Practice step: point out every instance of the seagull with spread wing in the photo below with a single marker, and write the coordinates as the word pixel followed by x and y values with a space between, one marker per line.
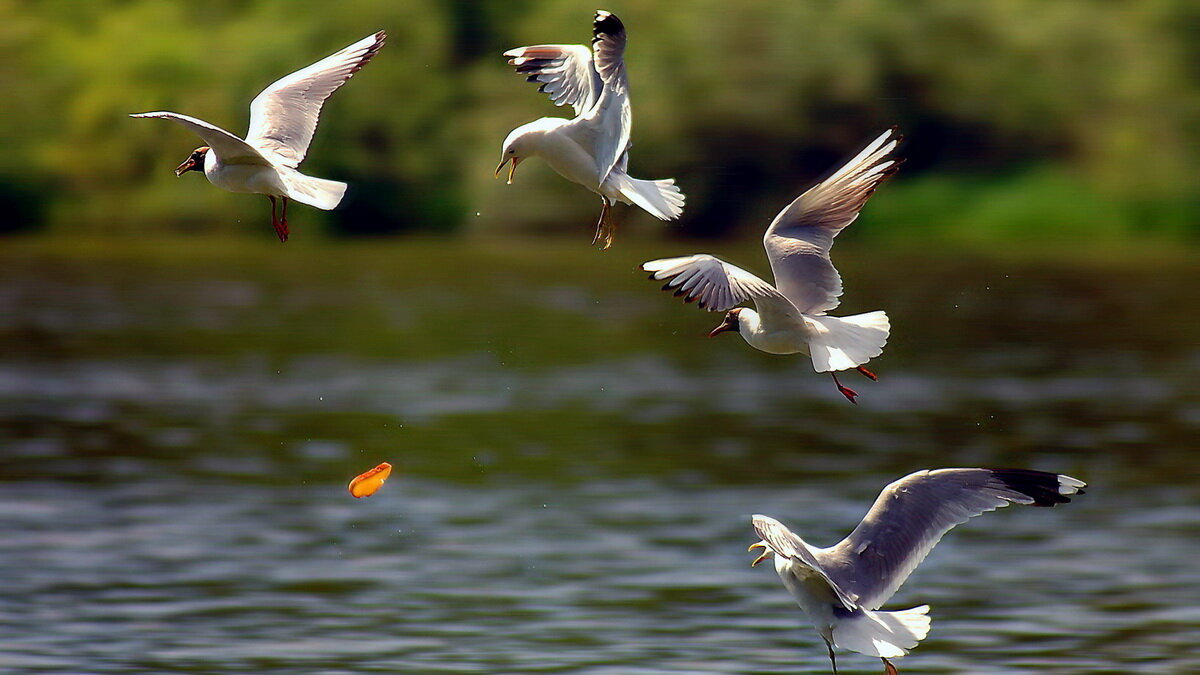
pixel 841 588
pixel 283 119
pixel 790 317
pixel 591 149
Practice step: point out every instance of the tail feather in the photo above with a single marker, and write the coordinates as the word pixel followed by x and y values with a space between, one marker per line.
pixel 883 634
pixel 317 192
pixel 841 343
pixel 660 198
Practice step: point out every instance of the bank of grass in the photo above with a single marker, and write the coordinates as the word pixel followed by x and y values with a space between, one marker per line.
pixel 1032 211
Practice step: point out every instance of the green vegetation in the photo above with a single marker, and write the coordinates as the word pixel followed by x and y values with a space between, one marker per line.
pixel 1026 119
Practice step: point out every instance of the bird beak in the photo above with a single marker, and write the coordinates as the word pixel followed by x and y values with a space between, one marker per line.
pixel 189 164
pixel 729 324
pixel 765 554
pixel 511 170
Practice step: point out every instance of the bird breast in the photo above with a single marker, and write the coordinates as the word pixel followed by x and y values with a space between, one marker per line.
pixel 570 160
pixel 811 592
pixel 778 339
pixel 236 176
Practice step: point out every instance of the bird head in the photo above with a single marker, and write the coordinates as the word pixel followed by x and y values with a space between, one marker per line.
pixel 766 552
pixel 194 162
pixel 732 322
pixel 523 142
pixel 516 148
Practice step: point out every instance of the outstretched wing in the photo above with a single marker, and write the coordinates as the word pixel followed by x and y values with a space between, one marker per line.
pixel 228 147
pixel 717 285
pixel 912 514
pixel 564 72
pixel 783 542
pixel 611 120
pixel 284 116
pixel 608 43
pixel 799 239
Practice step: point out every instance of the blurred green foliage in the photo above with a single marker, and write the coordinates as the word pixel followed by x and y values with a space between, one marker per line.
pixel 1024 117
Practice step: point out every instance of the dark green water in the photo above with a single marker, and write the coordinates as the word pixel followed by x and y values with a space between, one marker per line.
pixel 575 463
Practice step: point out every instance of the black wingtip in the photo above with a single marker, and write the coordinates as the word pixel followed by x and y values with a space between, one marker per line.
pixel 1044 488
pixel 606 23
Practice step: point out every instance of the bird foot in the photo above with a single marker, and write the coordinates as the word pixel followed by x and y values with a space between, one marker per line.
pixel 849 393
pixel 889 669
pixel 605 229
pixel 281 230
pixel 604 236
pixel 871 376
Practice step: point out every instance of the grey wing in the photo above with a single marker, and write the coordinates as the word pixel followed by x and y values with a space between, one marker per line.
pixel 610 123
pixel 283 118
pixel 784 542
pixel 717 285
pixel 912 514
pixel 226 145
pixel 799 239
pixel 608 43
pixel 564 72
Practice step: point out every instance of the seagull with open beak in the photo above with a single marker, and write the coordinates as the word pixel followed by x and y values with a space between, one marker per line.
pixel 591 149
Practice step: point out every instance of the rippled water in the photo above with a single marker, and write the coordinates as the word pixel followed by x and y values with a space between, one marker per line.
pixel 576 466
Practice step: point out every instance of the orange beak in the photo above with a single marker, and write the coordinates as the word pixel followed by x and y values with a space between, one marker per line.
pixel 765 554
pixel 511 170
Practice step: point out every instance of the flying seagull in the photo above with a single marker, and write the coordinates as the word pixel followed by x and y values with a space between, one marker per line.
pixel 283 119
pixel 591 149
pixel 841 588
pixel 790 316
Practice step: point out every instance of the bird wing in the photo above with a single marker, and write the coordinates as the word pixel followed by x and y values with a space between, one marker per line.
pixel 799 239
pixel 284 116
pixel 718 286
pixel 912 514
pixel 228 147
pixel 565 73
pixel 603 131
pixel 784 542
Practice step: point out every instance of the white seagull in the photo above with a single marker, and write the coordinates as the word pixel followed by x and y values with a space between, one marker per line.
pixel 841 588
pixel 593 148
pixel 283 119
pixel 791 317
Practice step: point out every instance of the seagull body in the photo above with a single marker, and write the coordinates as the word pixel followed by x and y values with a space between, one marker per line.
pixel 591 149
pixel 283 119
pixel 790 317
pixel 841 588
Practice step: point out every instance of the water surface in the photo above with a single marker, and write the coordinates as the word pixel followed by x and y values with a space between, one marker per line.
pixel 575 464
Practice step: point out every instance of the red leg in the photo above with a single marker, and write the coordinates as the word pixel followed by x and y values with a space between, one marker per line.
pixel 274 218
pixel 281 228
pixel 849 393
pixel 867 373
pixel 889 669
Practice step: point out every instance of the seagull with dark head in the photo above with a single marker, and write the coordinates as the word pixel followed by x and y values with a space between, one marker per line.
pixel 283 119
pixel 790 317
pixel 841 588
pixel 592 148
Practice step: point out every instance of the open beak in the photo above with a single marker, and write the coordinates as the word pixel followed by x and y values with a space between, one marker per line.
pixel 189 164
pixel 730 323
pixel 765 554
pixel 511 170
